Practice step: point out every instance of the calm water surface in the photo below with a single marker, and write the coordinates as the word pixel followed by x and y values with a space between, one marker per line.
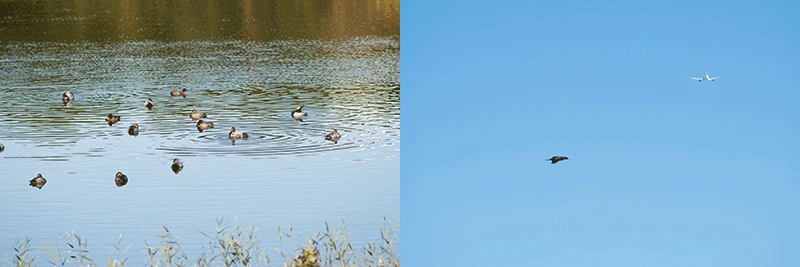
pixel 250 77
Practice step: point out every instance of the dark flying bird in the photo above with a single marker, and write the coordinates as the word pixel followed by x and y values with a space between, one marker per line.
pixel 555 159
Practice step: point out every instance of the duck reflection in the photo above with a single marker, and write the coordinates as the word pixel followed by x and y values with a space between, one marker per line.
pixel 177 165
pixel 121 179
pixel 38 181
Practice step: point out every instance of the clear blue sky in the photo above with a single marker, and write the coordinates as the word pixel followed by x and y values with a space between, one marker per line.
pixel 664 170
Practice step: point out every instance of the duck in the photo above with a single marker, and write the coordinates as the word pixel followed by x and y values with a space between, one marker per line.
pixel 177 165
pixel 111 119
pixel 181 92
pixel 120 179
pixel 38 181
pixel 204 125
pixel 298 113
pixel 196 115
pixel 67 96
pixel 134 129
pixel 236 134
pixel 2 148
pixel 333 136
pixel 555 159
pixel 148 103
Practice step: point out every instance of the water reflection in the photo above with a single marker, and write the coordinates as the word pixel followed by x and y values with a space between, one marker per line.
pixel 120 179
pixel 38 181
pixel 250 20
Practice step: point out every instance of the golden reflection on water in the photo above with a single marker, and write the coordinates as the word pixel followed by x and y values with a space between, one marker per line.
pixel 132 20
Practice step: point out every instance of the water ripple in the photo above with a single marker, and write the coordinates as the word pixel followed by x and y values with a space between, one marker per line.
pixel 351 85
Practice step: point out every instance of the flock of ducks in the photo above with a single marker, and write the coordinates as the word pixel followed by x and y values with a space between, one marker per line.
pixel 121 179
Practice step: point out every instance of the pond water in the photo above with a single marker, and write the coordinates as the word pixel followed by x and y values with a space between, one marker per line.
pixel 247 65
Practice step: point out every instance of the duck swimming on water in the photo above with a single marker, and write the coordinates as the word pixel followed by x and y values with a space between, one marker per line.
pixel 177 165
pixel 298 113
pixel 111 119
pixel 148 103
pixel 204 125
pixel 181 92
pixel 196 115
pixel 134 129
pixel 237 134
pixel 333 136
pixel 38 181
pixel 120 179
pixel 66 98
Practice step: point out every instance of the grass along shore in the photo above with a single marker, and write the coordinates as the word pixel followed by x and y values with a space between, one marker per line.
pixel 229 245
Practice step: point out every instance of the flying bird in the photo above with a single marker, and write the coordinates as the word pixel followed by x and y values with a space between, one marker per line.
pixel 555 159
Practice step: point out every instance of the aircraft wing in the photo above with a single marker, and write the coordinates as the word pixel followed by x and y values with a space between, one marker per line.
pixel 714 78
pixel 696 79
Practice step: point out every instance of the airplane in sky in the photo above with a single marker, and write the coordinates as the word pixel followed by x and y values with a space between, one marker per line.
pixel 706 78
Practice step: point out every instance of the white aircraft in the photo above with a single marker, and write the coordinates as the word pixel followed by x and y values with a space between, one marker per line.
pixel 706 78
